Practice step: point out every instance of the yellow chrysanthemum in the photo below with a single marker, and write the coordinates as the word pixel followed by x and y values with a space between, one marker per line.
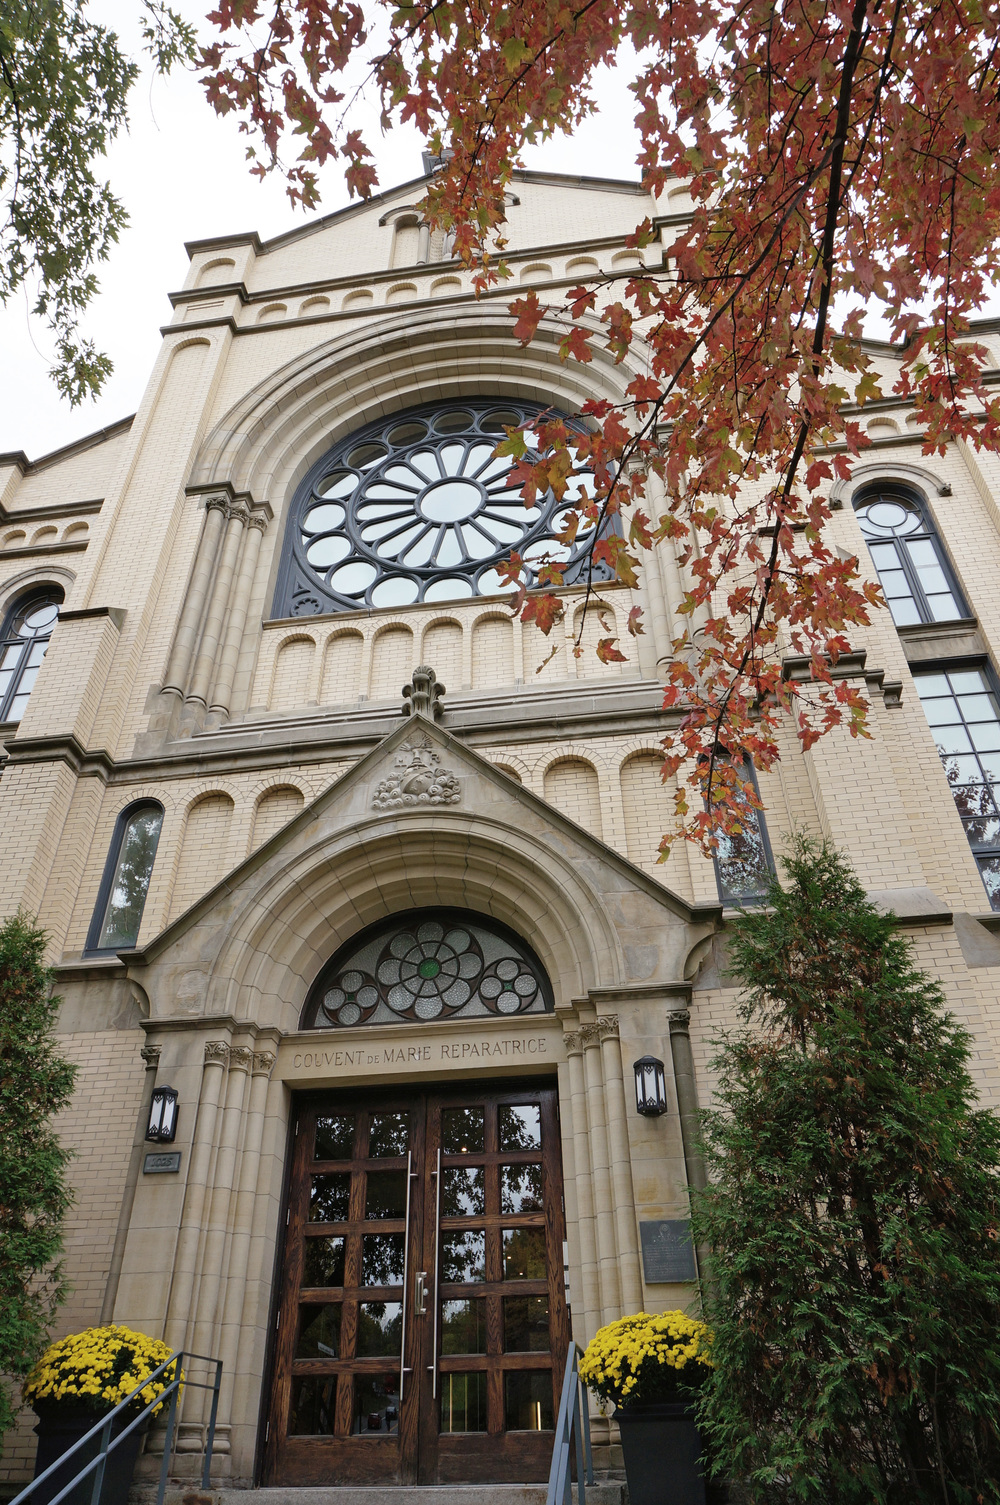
pixel 102 1365
pixel 629 1358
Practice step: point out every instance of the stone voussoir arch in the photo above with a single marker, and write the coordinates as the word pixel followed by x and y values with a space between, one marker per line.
pixel 283 929
pixel 268 440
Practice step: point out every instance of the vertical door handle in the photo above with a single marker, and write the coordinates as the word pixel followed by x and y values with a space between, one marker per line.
pixel 435 1312
pixel 420 1294
pixel 406 1272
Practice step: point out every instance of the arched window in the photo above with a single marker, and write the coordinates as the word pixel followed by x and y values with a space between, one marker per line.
pixel 912 570
pixel 743 862
pixel 416 508
pixel 428 964
pixel 122 895
pixel 27 629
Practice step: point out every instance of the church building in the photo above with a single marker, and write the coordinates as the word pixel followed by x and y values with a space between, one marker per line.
pixel 364 870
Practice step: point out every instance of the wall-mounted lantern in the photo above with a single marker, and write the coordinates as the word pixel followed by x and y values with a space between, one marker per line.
pixel 162 1115
pixel 650 1086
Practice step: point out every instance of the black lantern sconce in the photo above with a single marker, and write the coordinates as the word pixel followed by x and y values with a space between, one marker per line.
pixel 650 1086
pixel 162 1115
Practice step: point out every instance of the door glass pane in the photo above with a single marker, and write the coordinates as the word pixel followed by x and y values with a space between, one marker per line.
pixel 319 1332
pixel 380 1325
pixel 330 1198
pixel 382 1259
pixel 376 1403
pixel 526 1324
pixel 520 1188
pixel 389 1134
pixel 520 1127
pixel 463 1131
pixel 463 1191
pixel 386 1195
pixel 323 1264
pixel 463 1326
pixel 463 1403
pixel 463 1256
pixel 524 1253
pixel 528 1401
pixel 314 1403
pixel 334 1137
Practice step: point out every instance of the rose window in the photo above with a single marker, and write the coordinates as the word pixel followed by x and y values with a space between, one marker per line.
pixel 438 966
pixel 417 508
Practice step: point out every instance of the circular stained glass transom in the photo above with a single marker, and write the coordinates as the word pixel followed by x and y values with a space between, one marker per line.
pixel 418 508
pixel 433 965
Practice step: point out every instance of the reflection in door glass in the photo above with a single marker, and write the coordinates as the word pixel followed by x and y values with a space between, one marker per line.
pixel 463 1326
pixel 386 1195
pixel 389 1134
pixel 520 1127
pixel 528 1401
pixel 334 1137
pixel 463 1131
pixel 526 1324
pixel 330 1198
pixel 380 1325
pixel 323 1262
pixel 376 1403
pixel 463 1403
pixel 524 1254
pixel 382 1259
pixel 463 1191
pixel 463 1256
pixel 314 1400
pixel 319 1332
pixel 520 1188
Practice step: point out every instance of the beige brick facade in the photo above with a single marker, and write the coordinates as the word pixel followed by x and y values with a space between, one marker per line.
pixel 175 676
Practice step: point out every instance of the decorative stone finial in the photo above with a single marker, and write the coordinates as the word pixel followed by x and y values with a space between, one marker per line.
pixel 424 694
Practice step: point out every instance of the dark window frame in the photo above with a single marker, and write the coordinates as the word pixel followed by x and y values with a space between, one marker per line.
pixel 743 901
pixel 963 664
pixel 107 878
pixel 35 594
pixel 909 496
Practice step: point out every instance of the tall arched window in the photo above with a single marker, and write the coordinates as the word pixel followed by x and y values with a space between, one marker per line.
pixel 26 632
pixel 905 549
pixel 122 895
pixel 743 862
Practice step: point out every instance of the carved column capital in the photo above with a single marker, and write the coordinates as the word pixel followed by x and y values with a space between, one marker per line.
pixel 257 520
pixel 237 511
pixel 263 1062
pixel 589 1034
pixel 607 1026
pixel 216 1053
pixel 151 1055
pixel 679 1021
pixel 217 502
pixel 240 1058
pixel 573 1041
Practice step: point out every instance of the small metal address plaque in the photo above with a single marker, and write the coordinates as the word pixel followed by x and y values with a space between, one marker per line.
pixel 667 1251
pixel 162 1164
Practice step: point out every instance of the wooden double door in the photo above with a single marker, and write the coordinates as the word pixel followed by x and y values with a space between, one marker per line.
pixel 422 1325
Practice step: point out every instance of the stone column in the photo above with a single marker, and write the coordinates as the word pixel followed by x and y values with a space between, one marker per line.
pixel 679 1022
pixel 241 1225
pixel 423 244
pixel 589 1296
pixel 604 1221
pixel 222 693
pixel 187 629
pixel 151 1056
pixel 179 1311
pixel 621 1165
pixel 218 603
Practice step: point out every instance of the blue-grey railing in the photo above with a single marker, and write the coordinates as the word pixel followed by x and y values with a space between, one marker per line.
pixel 108 1443
pixel 572 1424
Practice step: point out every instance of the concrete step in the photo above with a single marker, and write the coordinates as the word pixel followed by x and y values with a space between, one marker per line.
pixel 612 1493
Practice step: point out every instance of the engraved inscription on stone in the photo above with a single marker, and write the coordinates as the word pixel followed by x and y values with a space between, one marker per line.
pixel 667 1251
pixel 162 1164
pixel 417 779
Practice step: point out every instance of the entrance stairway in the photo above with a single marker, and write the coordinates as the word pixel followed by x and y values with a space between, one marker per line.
pixel 612 1493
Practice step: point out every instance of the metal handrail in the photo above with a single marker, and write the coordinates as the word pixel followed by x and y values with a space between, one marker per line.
pixel 109 1443
pixel 573 1422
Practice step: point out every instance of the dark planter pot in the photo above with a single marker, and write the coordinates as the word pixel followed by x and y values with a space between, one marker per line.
pixel 59 1426
pixel 662 1452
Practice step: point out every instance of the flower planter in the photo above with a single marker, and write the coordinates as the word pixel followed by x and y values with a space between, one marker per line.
pixel 662 1452
pixel 61 1425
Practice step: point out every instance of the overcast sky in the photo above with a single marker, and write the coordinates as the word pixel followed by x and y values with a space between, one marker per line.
pixel 182 175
